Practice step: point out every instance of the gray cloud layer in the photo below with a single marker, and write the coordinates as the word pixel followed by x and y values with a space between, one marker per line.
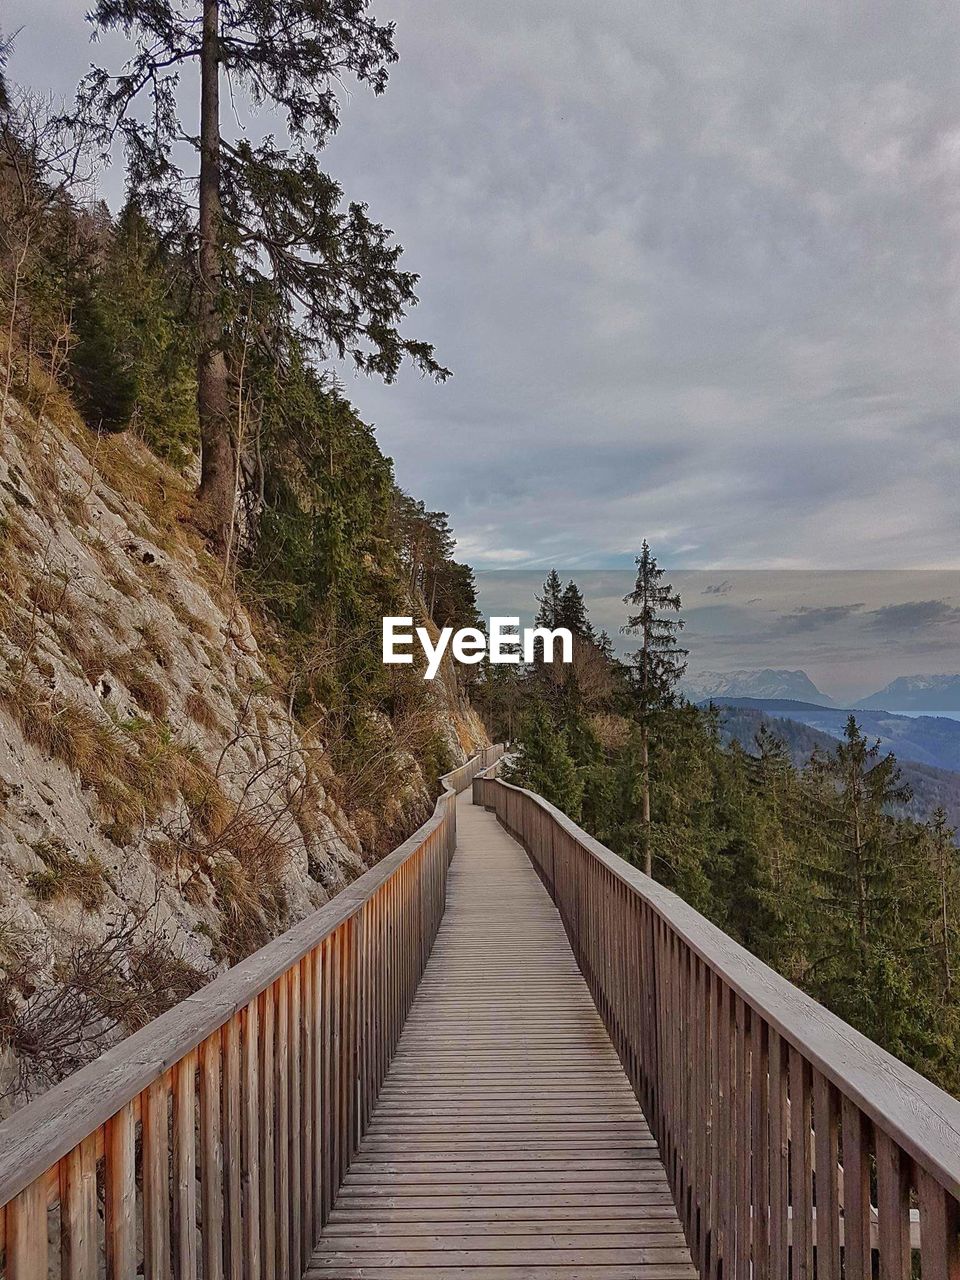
pixel 695 269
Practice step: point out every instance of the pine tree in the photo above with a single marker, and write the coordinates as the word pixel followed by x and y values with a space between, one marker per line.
pixel 572 612
pixel 543 763
pixel 103 382
pixel 132 362
pixel 862 927
pixel 269 233
pixel 946 870
pixel 658 665
pixel 775 780
pixel 550 603
pixel 865 783
pixel 605 645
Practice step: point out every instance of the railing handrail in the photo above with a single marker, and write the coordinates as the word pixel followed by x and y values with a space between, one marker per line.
pixel 37 1136
pixel 921 1117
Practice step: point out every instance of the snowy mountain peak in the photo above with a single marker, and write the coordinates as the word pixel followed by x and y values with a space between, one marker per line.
pixel 768 683
pixel 933 693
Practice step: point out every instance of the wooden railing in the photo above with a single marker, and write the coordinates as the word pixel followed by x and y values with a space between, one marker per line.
pixel 213 1141
pixel 795 1147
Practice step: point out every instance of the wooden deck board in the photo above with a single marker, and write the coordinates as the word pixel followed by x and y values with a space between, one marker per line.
pixel 506 1142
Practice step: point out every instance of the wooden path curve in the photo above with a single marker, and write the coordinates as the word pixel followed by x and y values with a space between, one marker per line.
pixel 506 1142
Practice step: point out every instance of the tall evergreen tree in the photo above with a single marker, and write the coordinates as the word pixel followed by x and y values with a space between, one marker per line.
pixel 132 364
pixel 658 664
pixel 605 645
pixel 572 612
pixel 268 228
pixel 860 786
pixel 543 763
pixel 862 926
pixel 946 869
pixel 550 603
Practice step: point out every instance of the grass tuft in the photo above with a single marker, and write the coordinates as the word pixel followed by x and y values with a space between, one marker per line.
pixel 65 875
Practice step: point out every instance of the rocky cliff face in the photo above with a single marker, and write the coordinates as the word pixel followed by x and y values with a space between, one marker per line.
pixel 162 812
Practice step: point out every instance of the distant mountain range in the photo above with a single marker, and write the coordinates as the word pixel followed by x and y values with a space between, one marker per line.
pixel 767 683
pixel 916 693
pixel 933 695
pixel 932 786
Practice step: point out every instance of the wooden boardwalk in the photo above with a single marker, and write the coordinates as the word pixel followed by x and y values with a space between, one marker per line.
pixel 506 1142
pixel 502 1139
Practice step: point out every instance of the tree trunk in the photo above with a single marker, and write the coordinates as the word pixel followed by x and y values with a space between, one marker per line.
pixel 645 762
pixel 645 758
pixel 217 493
pixel 944 914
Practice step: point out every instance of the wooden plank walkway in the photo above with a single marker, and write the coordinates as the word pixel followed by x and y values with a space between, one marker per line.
pixel 506 1143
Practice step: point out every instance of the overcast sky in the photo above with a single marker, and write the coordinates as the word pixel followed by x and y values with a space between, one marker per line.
pixel 695 269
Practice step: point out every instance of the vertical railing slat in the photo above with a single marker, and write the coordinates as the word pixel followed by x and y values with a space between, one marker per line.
pixel 119 1185
pixel 251 1149
pixel 282 1133
pixel 825 1124
pixel 308 1106
pixel 156 1182
pixel 320 1118
pixel 185 1167
pixel 779 1240
pixel 939 1231
pixel 232 1141
pixel 268 1106
pixel 856 1194
pixel 294 1136
pixel 893 1209
pixel 27 1248
pixel 211 1159
pixel 78 1212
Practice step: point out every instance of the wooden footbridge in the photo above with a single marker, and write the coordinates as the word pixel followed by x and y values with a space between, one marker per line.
pixel 524 1060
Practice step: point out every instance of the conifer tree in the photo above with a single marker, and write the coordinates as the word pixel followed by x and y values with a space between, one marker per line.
pixel 102 381
pixel 861 784
pixel 543 763
pixel 605 645
pixel 658 664
pixel 550 603
pixel 861 934
pixel 572 612
pixel 946 870
pixel 268 229
pixel 776 785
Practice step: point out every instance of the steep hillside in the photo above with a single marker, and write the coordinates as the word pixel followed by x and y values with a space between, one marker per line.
pixel 166 804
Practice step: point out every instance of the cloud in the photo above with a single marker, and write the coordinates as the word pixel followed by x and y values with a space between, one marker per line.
pixel 695 271
pixel 927 616
pixel 814 618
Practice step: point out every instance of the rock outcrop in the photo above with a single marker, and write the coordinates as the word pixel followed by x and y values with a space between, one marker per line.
pixel 162 811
